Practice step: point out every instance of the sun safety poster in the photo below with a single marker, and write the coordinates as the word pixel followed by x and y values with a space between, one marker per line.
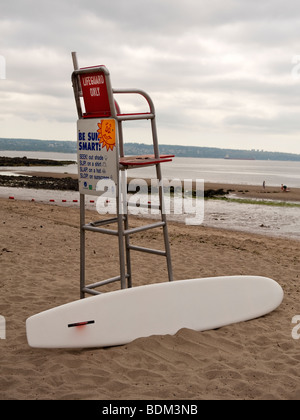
pixel 97 154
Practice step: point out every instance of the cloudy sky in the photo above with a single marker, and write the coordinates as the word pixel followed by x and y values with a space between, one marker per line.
pixel 221 73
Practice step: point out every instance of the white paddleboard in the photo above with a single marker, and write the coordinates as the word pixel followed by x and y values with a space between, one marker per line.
pixel 119 317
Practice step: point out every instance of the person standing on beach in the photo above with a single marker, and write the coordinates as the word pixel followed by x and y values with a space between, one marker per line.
pixel 264 185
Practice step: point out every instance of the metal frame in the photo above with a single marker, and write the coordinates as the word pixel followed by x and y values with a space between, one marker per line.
pixel 123 231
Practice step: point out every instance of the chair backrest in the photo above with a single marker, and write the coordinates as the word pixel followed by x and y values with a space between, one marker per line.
pixel 95 92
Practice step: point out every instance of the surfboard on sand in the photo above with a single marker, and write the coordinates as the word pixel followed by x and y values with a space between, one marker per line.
pixel 119 317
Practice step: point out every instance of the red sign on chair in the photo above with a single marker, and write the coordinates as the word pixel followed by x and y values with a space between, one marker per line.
pixel 95 95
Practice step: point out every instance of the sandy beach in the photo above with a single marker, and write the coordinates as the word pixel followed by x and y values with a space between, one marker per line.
pixel 39 255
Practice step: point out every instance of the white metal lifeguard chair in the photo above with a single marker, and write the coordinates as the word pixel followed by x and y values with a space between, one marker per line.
pixel 100 141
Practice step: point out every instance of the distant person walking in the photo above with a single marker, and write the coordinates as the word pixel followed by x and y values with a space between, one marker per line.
pixel 264 185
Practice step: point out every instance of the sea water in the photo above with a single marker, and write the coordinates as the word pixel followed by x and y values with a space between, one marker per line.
pixel 227 171
pixel 255 218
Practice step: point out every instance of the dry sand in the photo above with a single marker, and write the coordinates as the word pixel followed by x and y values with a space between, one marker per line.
pixel 39 256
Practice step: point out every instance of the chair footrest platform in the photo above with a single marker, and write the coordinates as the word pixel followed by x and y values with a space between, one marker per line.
pixel 144 160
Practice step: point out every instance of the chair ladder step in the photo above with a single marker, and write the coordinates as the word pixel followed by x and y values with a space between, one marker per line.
pixel 149 250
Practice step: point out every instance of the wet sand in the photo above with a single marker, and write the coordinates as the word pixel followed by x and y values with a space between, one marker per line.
pixel 256 191
pixel 240 190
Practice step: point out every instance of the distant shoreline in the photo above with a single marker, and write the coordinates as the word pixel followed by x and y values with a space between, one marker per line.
pixel 61 181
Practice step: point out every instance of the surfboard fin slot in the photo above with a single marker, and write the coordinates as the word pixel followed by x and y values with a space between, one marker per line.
pixel 81 324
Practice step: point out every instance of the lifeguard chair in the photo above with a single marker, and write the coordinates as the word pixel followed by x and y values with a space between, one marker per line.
pixel 100 141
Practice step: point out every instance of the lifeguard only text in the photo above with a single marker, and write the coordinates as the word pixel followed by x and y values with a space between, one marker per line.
pixel 93 81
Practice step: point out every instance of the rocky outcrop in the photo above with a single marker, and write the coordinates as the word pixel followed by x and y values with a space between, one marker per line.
pixel 38 182
pixel 24 161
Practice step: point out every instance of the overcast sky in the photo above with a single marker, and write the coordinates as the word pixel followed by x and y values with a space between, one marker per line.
pixel 221 73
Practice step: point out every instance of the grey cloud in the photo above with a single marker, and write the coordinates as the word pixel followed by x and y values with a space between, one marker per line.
pixel 204 63
pixel 283 123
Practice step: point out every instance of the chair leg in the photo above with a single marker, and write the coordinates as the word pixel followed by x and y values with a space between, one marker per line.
pixel 164 219
pixel 128 260
pixel 82 246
